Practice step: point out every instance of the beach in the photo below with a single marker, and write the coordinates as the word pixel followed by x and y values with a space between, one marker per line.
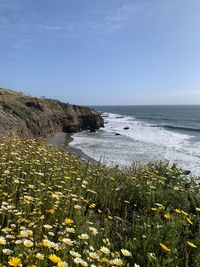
pixel 65 139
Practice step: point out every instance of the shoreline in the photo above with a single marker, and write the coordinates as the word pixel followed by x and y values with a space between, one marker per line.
pixel 65 139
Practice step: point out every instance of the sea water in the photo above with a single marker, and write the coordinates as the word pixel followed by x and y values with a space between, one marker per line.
pixel 168 133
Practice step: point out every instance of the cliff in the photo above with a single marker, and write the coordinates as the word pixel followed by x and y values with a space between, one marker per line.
pixel 31 117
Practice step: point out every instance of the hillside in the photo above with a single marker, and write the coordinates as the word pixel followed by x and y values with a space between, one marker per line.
pixel 31 117
pixel 56 210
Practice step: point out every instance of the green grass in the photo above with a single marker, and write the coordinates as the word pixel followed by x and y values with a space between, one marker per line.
pixel 19 111
pixel 152 211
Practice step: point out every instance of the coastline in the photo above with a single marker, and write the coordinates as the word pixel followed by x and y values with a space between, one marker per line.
pixel 61 138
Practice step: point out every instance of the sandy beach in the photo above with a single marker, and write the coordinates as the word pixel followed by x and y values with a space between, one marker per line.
pixel 65 139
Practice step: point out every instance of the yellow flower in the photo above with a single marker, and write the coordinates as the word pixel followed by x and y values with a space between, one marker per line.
pixel 165 248
pixel 160 206
pixel 83 236
pixel 191 244
pixel 69 221
pixel 154 209
pixel 105 260
pixel 92 206
pixel 177 211
pixel 62 264
pixel 184 213
pixel 2 240
pixel 15 261
pixel 54 258
pixel 190 222
pixel 117 254
pixel 167 216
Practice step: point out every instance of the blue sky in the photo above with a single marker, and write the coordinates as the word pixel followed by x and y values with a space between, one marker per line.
pixel 102 51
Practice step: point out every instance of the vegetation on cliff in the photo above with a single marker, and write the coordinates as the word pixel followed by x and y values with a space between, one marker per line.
pixel 26 117
pixel 57 210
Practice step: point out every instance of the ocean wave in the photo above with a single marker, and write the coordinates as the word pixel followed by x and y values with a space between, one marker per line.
pixel 179 127
pixel 140 142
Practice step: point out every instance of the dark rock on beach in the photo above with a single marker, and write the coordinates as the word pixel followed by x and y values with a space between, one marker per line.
pixel 92 130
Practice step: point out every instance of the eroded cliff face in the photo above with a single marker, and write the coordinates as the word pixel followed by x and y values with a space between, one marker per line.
pixel 29 117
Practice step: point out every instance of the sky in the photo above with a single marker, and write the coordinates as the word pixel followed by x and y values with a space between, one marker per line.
pixel 102 52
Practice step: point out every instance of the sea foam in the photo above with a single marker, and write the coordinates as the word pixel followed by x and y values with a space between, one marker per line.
pixel 140 142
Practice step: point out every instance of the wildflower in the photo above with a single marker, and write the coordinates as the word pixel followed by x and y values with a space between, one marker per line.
pixel 83 263
pixel 7 251
pixel 165 248
pixel 18 242
pixel 126 253
pixel 117 262
pixel 152 255
pixel 39 256
pixel 23 233
pixel 67 241
pixel 190 222
pixel 177 211
pixel 69 221
pixel 47 243
pixel 15 261
pixel 77 260
pixel 83 236
pixel 70 230
pixel 184 213
pixel 62 264
pixel 77 207
pixel 93 255
pixel 54 258
pixel 106 241
pixel 160 206
pixel 105 260
pixel 47 226
pixel 191 244
pixel 75 254
pixel 105 250
pixel 154 209
pixel 92 206
pixel 2 240
pixel 28 243
pixel 117 254
pixel 93 230
pixel 167 216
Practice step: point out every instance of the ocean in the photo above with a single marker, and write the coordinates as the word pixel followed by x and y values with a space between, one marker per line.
pixel 154 133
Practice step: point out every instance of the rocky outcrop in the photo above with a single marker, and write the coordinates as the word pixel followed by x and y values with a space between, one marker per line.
pixel 29 117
